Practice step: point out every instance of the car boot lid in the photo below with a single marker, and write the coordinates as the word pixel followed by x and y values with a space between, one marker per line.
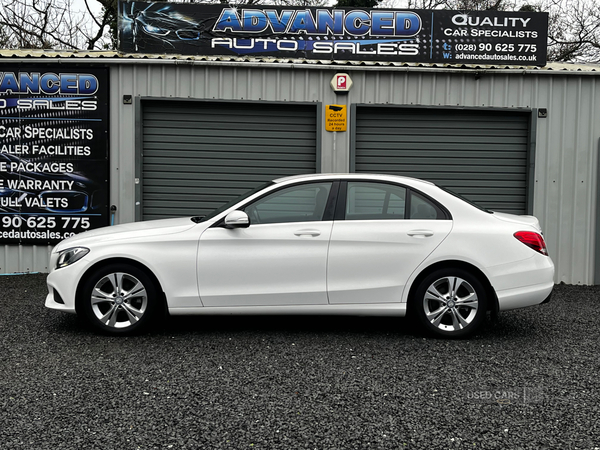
pixel 525 220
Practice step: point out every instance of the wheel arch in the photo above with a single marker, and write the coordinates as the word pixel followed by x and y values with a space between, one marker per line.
pixel 456 264
pixel 107 262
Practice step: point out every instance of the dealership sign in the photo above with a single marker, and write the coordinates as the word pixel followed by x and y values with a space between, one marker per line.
pixel 53 152
pixel 422 36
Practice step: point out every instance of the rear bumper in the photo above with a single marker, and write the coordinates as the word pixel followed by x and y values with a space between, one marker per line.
pixel 525 296
pixel 523 283
pixel 547 299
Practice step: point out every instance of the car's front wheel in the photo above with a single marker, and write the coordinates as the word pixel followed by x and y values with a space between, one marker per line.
pixel 450 303
pixel 119 299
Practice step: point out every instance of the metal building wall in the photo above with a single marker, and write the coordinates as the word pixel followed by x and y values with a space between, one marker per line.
pixel 24 258
pixel 566 141
pixel 212 81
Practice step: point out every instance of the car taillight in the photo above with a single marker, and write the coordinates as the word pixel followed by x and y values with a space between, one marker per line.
pixel 532 240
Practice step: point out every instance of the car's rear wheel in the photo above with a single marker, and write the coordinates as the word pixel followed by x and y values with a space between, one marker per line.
pixel 450 303
pixel 119 299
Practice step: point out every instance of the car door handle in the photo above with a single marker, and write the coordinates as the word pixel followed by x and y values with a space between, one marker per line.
pixel 313 233
pixel 420 233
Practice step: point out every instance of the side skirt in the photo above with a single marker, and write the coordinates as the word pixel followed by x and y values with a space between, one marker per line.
pixel 380 309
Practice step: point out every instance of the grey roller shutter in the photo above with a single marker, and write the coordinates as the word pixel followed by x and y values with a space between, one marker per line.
pixel 196 156
pixel 480 154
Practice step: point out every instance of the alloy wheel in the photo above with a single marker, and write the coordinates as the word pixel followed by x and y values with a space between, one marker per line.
pixel 450 304
pixel 119 300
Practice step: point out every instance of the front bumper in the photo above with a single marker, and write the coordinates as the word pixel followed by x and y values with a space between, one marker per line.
pixel 62 285
pixel 54 301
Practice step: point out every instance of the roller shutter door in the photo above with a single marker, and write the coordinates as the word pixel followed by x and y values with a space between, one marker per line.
pixel 196 156
pixel 482 155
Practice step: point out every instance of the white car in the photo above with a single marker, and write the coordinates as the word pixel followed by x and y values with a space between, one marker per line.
pixel 352 244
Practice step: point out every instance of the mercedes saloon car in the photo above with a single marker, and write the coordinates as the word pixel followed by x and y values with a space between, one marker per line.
pixel 353 244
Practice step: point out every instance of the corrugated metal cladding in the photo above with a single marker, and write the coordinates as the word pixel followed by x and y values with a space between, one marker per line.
pixel 565 176
pixel 565 159
pixel 24 258
pixel 197 156
pixel 479 154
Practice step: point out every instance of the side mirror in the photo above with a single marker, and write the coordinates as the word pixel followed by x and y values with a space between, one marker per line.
pixel 237 219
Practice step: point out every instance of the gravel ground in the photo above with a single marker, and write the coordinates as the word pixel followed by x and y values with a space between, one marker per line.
pixel 531 380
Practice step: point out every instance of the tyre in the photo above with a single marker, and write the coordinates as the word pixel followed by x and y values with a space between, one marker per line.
pixel 119 299
pixel 450 303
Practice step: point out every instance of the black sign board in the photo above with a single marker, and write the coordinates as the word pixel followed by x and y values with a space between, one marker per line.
pixel 53 152
pixel 336 34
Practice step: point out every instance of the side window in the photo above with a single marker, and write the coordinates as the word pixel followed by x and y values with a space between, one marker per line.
pixel 304 203
pixel 374 201
pixel 422 208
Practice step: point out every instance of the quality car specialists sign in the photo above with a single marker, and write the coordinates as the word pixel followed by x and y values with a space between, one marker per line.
pixel 424 36
pixel 53 152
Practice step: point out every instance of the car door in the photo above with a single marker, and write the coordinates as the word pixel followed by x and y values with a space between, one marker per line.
pixel 386 232
pixel 280 259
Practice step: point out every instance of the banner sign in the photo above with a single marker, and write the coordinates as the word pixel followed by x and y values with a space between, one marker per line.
pixel 336 34
pixel 53 152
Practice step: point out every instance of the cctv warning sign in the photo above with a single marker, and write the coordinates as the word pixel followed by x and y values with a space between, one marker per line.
pixel 335 118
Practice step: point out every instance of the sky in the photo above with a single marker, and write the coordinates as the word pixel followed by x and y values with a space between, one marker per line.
pixel 79 5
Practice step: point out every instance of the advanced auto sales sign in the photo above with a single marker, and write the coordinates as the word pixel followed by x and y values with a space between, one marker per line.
pixel 423 36
pixel 53 152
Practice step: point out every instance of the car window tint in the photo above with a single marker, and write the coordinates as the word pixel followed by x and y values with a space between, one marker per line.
pixel 304 203
pixel 422 208
pixel 374 201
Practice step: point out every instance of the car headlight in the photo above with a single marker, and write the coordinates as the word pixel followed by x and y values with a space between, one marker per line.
pixel 151 29
pixel 70 256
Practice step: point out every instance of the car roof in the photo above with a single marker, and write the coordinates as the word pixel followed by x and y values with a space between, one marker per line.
pixel 350 176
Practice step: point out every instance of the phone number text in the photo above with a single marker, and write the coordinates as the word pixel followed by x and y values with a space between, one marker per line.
pixel 499 47
pixel 43 222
